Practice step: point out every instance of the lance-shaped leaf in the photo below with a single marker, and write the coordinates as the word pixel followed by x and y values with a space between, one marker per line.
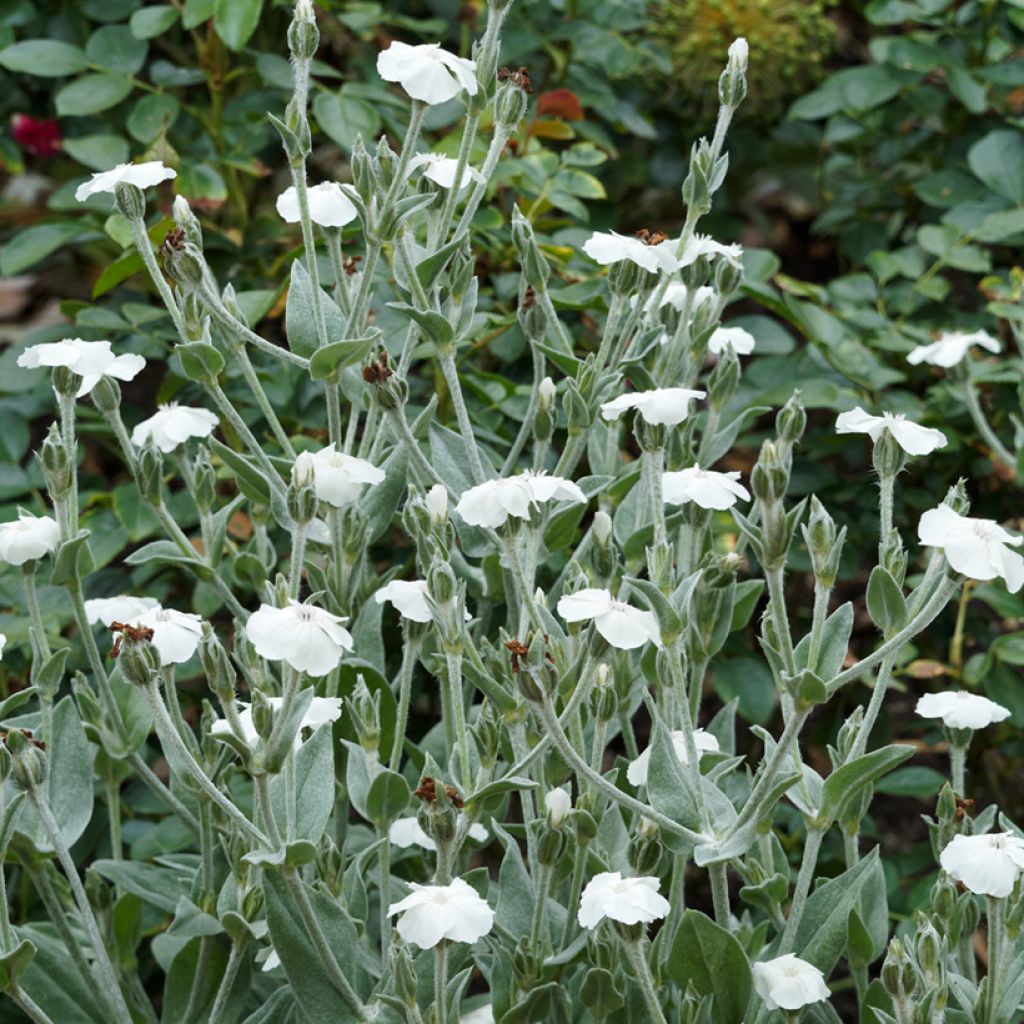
pixel 709 959
pixel 886 604
pixel 847 779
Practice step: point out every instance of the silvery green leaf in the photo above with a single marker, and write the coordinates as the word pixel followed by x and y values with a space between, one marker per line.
pixel 514 909
pixel 723 725
pixel 430 268
pixel 379 504
pixel 184 978
pixel 709 959
pixel 824 925
pixel 835 642
pixel 885 601
pixel 299 318
pixel 387 798
pixel 68 784
pixel 160 886
pixel 314 786
pixel 850 777
pixel 312 987
pixel 358 775
pixel 189 921
pixel 52 981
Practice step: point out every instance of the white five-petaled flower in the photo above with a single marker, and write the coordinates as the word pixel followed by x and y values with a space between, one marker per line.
pixel 406 832
pixel 441 170
pixel 321 711
pixel 328 205
pixel 304 636
pixel 951 348
pixel 176 635
pixel 123 608
pixel 989 865
pixel 27 538
pixel 911 437
pixel 622 625
pixel 491 503
pixel 669 406
pixel 788 983
pixel 626 900
pixel 91 360
pixel 409 597
pixel 339 478
pixel 959 709
pixel 703 741
pixel 978 548
pixel 174 424
pixel 742 341
pixel 431 913
pixel 607 247
pixel 705 487
pixel 704 245
pixel 427 72
pixel 143 175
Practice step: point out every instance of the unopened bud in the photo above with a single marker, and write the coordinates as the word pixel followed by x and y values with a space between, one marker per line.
pixel 303 35
pixel 791 420
pixel 187 221
pixel 204 481
pixel 106 395
pixel 129 201
pixel 725 378
pixel 150 472
pixel 28 762
pixel 65 381
pixel 138 659
pixel 56 462
pixel 558 804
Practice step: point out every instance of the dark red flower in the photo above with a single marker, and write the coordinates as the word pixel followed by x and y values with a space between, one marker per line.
pixel 40 138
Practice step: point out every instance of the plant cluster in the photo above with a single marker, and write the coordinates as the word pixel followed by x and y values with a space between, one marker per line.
pixel 409 715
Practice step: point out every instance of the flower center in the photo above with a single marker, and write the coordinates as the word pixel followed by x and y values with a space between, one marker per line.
pixel 985 529
pixel 304 613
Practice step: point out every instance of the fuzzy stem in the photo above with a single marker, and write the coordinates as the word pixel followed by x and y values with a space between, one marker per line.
pixel 642 975
pixel 808 865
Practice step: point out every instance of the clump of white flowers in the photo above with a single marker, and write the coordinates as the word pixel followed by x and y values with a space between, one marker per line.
pixel 413 715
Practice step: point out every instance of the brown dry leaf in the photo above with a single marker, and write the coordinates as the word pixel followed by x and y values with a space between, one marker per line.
pixel 924 668
pixel 240 526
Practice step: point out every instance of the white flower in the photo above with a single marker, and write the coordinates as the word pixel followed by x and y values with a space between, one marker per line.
pixel 408 596
pixel 3 644
pixel 308 638
pixel 303 469
pixel 669 406
pixel 705 487
pixel 704 245
pixel 176 635
pixel 606 247
pixel 788 983
pixel 426 72
pixel 174 424
pixel 558 804
pixel 988 865
pixel 406 832
pixel 621 624
pixel 912 438
pixel 142 175
pixel 91 360
pixel 27 538
pixel 739 52
pixel 742 341
pixel 951 348
pixel 491 503
pixel 627 900
pixel 321 711
pixel 676 295
pixel 441 170
pixel 481 1015
pixel 703 741
pixel 123 608
pixel 339 478
pixel 961 710
pixel 328 205
pixel 975 547
pixel 436 500
pixel 431 913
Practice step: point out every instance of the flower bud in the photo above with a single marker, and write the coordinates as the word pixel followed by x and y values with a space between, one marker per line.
pixel 532 317
pixel 150 473
pixel 894 968
pixel 695 276
pixel 262 715
pixel 106 395
pixel 185 265
pixel 791 420
pixel 28 762
pixel 584 826
pixel 725 378
pixel 550 846
pixel 602 528
pixel 728 276
pixel 386 162
pixel 649 436
pixel 531 259
pixel 644 855
pixel 403 974
pixel 558 804
pixel 364 710
pixel 56 462
pixel 138 660
pixel 65 381
pixel 220 673
pixel 510 104
pixel 929 951
pixel 436 501
pixel 577 412
pixel 769 478
pixel 487 734
pixel 129 201
pixel 302 501
pixel 187 221
pixel 732 84
pixel 441 583
pixel 303 35
pixel 204 481
pixel 626 278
